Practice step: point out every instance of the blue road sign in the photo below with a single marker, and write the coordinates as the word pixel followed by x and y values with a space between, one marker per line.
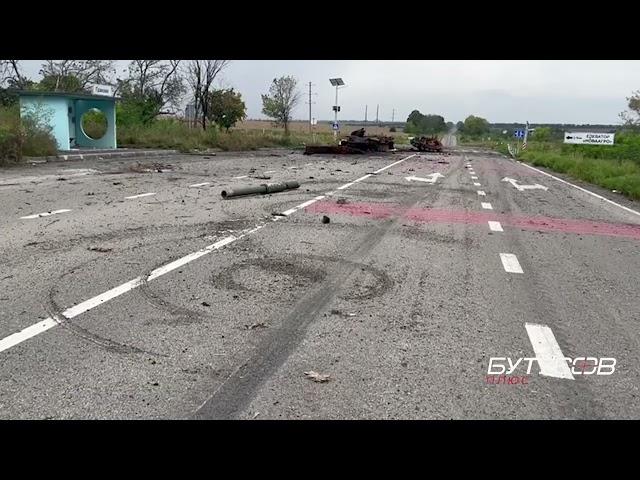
pixel 518 133
pixel 336 126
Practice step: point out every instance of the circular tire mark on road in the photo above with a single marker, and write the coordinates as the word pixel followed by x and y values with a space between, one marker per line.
pixel 55 311
pixel 368 282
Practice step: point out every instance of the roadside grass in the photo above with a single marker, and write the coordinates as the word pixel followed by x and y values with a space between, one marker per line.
pixel 614 174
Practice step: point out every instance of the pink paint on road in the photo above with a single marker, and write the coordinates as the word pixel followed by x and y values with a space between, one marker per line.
pixel 427 215
pixel 371 210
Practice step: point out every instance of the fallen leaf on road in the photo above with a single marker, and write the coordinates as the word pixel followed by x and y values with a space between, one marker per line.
pixel 317 377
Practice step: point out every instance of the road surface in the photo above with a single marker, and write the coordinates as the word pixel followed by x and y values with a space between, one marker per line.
pixel 127 293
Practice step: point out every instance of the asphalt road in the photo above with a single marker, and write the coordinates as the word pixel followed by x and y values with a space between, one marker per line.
pixel 146 295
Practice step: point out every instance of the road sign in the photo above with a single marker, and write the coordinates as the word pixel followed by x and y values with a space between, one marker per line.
pixel 518 133
pixel 587 138
pixel 335 126
pixel 314 121
pixel 105 90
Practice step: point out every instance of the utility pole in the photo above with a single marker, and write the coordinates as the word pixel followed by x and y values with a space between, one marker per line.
pixel 393 114
pixel 310 103
pixel 365 114
pixel 377 109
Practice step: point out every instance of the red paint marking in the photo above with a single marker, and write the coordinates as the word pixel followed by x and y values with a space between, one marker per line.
pixel 427 215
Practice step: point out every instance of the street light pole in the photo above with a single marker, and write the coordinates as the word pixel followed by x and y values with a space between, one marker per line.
pixel 335 119
pixel 336 82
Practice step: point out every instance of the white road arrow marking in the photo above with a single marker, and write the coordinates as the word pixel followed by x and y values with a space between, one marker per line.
pixel 432 178
pixel 521 188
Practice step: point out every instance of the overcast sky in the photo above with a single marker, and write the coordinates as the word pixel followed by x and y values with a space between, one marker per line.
pixel 541 91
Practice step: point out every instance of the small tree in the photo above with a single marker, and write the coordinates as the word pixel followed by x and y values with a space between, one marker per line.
pixel 200 75
pixel 631 117
pixel 282 99
pixel 475 126
pixel 226 108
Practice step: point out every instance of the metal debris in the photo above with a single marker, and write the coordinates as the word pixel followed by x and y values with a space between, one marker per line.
pixel 317 377
pixel 427 144
pixel 262 189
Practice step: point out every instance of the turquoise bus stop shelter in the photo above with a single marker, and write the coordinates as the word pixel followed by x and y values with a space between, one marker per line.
pixel 64 111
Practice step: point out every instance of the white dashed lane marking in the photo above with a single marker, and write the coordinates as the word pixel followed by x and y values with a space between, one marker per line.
pixel 200 184
pixel 481 193
pixel 46 214
pixel 510 263
pixel 548 353
pixel 486 205
pixel 495 226
pixel 138 196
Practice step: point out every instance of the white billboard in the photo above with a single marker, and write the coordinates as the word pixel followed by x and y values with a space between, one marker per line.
pixel 587 138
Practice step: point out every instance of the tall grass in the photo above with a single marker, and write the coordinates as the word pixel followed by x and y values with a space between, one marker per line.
pixel 177 135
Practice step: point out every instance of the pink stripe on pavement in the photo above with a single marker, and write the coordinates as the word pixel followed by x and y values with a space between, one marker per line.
pixel 427 215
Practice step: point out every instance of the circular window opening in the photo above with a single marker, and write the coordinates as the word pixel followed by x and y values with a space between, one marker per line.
pixel 94 124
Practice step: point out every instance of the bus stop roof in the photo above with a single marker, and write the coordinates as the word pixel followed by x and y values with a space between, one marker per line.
pixel 73 96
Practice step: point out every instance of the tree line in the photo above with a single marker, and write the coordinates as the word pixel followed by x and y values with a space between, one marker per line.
pixel 148 88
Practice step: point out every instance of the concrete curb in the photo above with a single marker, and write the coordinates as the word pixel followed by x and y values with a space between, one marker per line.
pixel 100 155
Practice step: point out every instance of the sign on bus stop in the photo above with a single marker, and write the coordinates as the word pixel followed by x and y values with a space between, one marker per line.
pixel 587 138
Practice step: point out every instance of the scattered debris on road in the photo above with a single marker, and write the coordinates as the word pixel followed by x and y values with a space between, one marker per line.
pixel 341 201
pixel 317 377
pixel 325 219
pixel 150 168
pixel 256 325
pixel 100 249
pixel 205 304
